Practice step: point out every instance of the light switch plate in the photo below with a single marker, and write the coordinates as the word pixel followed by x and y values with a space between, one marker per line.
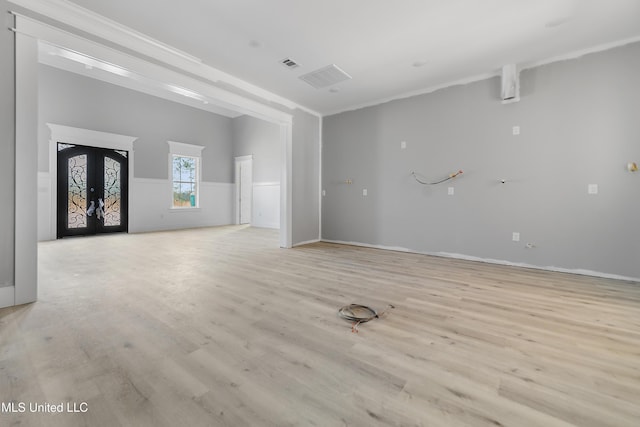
pixel 403 145
pixel 592 189
pixel 516 130
pixel 450 191
pixel 515 237
pixel 364 191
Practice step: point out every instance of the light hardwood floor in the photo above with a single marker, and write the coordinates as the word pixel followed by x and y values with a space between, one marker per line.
pixel 219 327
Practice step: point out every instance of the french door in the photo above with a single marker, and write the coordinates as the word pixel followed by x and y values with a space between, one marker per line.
pixel 92 190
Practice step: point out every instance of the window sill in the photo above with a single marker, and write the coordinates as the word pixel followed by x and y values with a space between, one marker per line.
pixel 194 209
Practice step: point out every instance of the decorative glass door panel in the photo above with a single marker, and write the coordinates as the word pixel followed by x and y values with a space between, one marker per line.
pixel 112 192
pixel 77 192
pixel 92 190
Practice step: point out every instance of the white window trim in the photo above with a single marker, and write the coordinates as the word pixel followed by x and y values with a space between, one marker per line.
pixel 182 149
pixel 185 150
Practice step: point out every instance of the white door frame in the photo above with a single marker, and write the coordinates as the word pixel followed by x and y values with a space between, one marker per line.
pixel 28 32
pixel 238 161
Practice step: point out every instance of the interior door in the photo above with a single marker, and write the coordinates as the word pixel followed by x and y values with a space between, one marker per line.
pixel 246 190
pixel 92 190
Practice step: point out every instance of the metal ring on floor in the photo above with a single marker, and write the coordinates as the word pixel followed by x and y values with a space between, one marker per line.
pixel 358 313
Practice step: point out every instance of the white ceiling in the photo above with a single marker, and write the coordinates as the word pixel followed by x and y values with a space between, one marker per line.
pixel 377 42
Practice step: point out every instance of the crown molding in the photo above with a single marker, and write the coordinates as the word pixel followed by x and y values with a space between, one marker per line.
pixel 85 20
pixel 48 55
pixel 495 73
pixel 135 65
pixel 414 93
pixel 89 22
pixel 580 53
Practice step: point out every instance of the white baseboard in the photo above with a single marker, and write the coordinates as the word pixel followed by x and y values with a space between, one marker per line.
pixel 308 242
pixel 7 296
pixel 271 225
pixel 367 245
pixel 578 271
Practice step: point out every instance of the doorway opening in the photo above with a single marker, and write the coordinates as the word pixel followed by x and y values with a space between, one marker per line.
pixel 29 33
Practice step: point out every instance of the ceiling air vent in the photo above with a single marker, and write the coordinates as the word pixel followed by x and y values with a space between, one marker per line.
pixel 289 63
pixel 326 76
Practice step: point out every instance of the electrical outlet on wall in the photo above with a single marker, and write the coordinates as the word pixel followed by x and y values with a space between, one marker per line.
pixel 592 189
pixel 324 193
pixel 515 236
pixel 450 191
pixel 403 145
pixel 516 130
pixel 364 191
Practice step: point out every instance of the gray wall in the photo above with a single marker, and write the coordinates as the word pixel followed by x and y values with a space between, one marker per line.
pixel 262 139
pixel 72 100
pixel 579 125
pixel 7 148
